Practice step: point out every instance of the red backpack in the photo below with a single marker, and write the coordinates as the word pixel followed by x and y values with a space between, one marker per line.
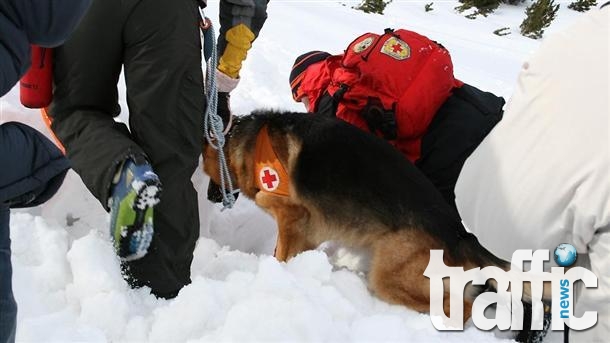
pixel 392 84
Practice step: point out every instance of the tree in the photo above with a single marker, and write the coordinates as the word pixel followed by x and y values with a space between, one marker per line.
pixel 582 5
pixel 484 7
pixel 539 16
pixel 373 6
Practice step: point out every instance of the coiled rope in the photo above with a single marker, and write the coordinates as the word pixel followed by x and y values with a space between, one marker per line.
pixel 213 127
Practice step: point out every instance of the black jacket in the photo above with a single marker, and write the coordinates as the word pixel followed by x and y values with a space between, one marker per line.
pixel 24 22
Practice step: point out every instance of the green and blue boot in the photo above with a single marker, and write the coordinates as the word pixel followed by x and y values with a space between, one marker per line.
pixel 135 191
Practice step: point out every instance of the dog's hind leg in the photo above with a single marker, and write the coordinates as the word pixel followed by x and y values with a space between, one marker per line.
pixel 397 267
pixel 292 223
pixel 397 272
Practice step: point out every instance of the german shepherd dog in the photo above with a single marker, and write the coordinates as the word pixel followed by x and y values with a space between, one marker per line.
pixel 349 186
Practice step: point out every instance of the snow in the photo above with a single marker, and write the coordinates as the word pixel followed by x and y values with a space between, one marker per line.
pixel 66 276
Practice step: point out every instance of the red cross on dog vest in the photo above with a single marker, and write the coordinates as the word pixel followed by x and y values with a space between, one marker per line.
pixel 269 173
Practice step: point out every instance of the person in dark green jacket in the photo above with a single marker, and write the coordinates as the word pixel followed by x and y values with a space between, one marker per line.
pixel 142 173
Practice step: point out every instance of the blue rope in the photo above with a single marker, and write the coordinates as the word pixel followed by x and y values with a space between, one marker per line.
pixel 213 127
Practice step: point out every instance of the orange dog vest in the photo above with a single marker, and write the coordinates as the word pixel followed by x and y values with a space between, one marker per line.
pixel 269 173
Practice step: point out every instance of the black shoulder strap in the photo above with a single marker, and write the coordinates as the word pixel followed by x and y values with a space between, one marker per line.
pixel 328 103
pixel 378 119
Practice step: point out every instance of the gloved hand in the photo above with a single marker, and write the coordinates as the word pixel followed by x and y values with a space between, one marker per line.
pixel 225 85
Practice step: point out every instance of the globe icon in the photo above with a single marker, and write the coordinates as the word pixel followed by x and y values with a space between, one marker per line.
pixel 565 255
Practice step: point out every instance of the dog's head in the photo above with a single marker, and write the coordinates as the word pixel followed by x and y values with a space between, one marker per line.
pixel 210 152
pixel 239 146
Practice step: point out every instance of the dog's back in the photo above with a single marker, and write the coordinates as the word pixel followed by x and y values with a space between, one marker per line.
pixel 359 181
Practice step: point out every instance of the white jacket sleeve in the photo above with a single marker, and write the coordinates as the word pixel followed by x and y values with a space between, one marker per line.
pixel 542 176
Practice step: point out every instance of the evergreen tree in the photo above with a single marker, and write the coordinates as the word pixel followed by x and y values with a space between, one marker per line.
pixel 582 5
pixel 373 6
pixel 484 7
pixel 539 16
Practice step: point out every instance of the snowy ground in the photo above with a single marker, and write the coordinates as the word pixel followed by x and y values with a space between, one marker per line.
pixel 66 277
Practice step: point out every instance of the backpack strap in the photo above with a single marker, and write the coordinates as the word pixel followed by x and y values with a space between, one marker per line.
pixel 379 119
pixel 328 103
pixel 376 117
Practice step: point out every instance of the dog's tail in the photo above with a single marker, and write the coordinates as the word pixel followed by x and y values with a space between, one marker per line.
pixel 475 255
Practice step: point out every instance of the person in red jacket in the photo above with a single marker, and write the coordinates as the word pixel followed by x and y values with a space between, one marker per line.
pixel 400 86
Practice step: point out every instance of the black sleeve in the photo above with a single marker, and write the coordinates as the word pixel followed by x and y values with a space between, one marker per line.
pixel 14 52
pixel 23 22
pixel 240 24
pixel 33 167
pixel 46 23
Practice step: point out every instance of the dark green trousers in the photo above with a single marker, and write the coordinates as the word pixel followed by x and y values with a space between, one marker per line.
pixel 157 43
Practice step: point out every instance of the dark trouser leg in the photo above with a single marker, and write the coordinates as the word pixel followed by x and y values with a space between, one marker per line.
pixel 165 97
pixel 158 42
pixel 86 73
pixel 8 307
pixel 458 127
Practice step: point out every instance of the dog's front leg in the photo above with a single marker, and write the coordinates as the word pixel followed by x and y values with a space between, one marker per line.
pixel 292 233
pixel 292 223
